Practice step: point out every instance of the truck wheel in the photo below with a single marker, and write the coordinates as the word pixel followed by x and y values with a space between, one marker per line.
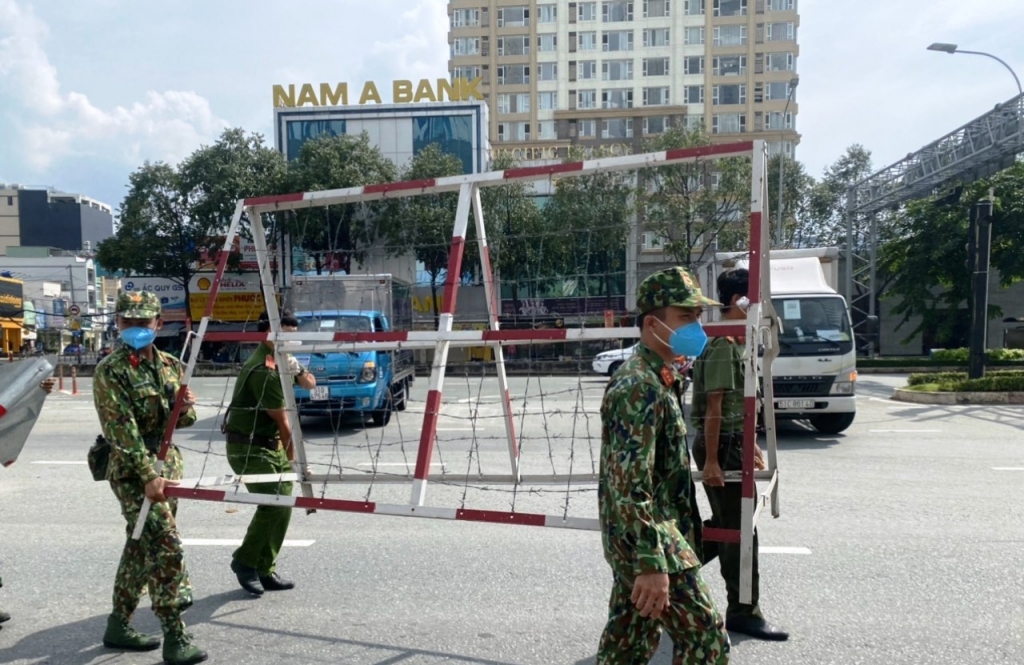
pixel 832 423
pixel 614 366
pixel 402 396
pixel 382 416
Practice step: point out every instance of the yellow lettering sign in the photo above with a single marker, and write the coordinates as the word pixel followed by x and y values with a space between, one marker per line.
pixel 447 89
pixel 402 92
pixel 283 97
pixel 424 92
pixel 338 96
pixel 307 97
pixel 370 93
pixel 468 89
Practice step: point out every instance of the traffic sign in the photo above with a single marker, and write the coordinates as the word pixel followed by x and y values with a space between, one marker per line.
pixel 74 310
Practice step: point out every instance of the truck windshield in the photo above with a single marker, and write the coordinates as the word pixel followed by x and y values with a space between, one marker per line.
pixel 813 325
pixel 343 324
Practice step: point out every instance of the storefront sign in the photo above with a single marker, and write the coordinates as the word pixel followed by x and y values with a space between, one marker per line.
pixel 239 298
pixel 402 92
pixel 170 293
pixel 11 297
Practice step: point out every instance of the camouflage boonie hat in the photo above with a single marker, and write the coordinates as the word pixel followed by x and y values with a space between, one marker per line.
pixel 673 287
pixel 138 305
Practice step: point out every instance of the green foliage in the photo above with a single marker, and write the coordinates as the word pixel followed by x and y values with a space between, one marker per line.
pixel 953 377
pixel 824 224
pixel 339 233
pixel 796 190
pixel 681 205
pixel 996 383
pixel 963 355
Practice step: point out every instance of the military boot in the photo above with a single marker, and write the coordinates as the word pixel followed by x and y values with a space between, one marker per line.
pixel 179 649
pixel 4 616
pixel 122 636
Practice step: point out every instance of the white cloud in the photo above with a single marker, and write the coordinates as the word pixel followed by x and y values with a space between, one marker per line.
pixel 55 124
pixel 422 50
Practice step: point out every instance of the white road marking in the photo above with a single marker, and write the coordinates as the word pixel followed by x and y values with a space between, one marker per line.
pixel 1008 468
pixel 410 464
pixel 214 542
pixel 61 462
pixel 905 431
pixel 783 550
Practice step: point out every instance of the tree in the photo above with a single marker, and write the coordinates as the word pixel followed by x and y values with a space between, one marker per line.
pixel 693 205
pixel 335 235
pixel 797 187
pixel 517 236
pixel 171 216
pixel 423 225
pixel 927 261
pixel 824 223
pixel 592 214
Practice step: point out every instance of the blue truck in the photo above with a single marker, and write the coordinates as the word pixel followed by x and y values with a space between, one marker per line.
pixel 364 383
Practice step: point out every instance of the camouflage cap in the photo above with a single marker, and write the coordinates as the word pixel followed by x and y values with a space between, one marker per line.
pixel 138 305
pixel 673 287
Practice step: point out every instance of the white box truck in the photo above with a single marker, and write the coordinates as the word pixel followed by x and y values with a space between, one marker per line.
pixel 815 373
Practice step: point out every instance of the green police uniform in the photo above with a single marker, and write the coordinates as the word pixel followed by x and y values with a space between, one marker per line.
pixel 720 367
pixel 134 397
pixel 254 447
pixel 645 496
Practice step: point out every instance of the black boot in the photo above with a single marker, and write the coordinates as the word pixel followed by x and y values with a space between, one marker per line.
pixel 4 616
pixel 274 582
pixel 248 578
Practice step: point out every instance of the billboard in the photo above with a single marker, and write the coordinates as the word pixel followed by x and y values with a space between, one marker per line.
pixel 12 296
pixel 239 299
pixel 244 249
pixel 171 294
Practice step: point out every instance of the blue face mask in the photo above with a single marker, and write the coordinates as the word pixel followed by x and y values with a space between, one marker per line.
pixel 688 340
pixel 138 338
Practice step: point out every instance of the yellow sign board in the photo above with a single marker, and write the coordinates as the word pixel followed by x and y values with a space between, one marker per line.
pixel 402 92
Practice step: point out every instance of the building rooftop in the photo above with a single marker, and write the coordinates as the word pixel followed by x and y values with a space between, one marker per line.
pixel 55 195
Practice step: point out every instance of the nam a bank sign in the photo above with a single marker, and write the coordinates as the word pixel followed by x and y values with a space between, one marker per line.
pixel 402 92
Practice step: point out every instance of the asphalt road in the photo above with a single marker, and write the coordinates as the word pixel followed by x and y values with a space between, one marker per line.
pixel 898 542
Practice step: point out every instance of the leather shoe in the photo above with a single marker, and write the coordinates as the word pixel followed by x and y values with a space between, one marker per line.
pixel 275 582
pixel 248 578
pixel 4 616
pixel 756 627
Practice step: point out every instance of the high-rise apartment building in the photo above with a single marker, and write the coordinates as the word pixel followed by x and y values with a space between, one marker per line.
pixel 613 72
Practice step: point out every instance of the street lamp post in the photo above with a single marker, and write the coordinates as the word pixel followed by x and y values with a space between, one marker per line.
pixel 952 48
pixel 780 230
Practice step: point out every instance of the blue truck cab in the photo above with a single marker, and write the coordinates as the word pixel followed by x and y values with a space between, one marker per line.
pixel 374 383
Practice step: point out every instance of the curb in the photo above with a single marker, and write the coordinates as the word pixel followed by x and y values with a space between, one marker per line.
pixel 918 397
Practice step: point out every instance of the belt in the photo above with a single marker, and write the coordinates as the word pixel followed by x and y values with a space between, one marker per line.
pixel 257 440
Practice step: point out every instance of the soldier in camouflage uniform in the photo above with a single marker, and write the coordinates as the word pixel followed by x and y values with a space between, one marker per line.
pixel 645 490
pixel 134 391
pixel 718 407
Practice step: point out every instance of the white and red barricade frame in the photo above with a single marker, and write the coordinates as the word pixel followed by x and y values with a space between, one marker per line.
pixel 759 330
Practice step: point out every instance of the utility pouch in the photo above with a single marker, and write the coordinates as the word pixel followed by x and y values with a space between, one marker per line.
pixel 99 458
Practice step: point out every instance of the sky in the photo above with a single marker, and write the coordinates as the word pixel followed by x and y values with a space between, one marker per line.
pixel 91 89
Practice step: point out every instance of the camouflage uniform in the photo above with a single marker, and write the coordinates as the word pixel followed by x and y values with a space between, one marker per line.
pixel 134 397
pixel 646 496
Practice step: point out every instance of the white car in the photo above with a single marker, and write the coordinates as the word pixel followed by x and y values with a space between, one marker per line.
pixel 609 361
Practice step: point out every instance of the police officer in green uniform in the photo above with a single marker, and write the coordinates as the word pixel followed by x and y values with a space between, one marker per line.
pixel 134 391
pixel 645 491
pixel 259 441
pixel 718 379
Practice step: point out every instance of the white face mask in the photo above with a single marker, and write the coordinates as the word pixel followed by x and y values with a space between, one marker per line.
pixel 743 303
pixel 291 344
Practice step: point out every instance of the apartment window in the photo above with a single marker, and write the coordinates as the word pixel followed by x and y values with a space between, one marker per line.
pixel 547 13
pixel 775 121
pixel 586 11
pixel 694 37
pixel 504 132
pixel 693 64
pixel 465 46
pixel 521 131
pixel 522 101
pixel 694 121
pixel 617 40
pixel 586 129
pixel 781 5
pixel 617 99
pixel 546 43
pixel 730 65
pixel 777 91
pixel 586 41
pixel 586 70
pixel 652 242
pixel 656 66
pixel 513 17
pixel 781 62
pixel 586 99
pixel 657 96
pixel 613 11
pixel 781 32
pixel 728 123
pixel 547 101
pixel 465 17
pixel 693 94
pixel 773 148
pixel 729 94
pixel 547 71
pixel 656 124
pixel 513 74
pixel 465 72
pixel 730 7
pixel 514 45
pixel 730 35
pixel 693 7
pixel 546 130
pixel 617 128
pixel 656 37
pixel 617 70
pixel 657 8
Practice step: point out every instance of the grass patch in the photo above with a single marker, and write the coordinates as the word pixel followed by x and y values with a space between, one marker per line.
pixel 925 387
pixel 957 382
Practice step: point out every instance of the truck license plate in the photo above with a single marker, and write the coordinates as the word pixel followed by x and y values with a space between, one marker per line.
pixel 794 404
pixel 320 394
